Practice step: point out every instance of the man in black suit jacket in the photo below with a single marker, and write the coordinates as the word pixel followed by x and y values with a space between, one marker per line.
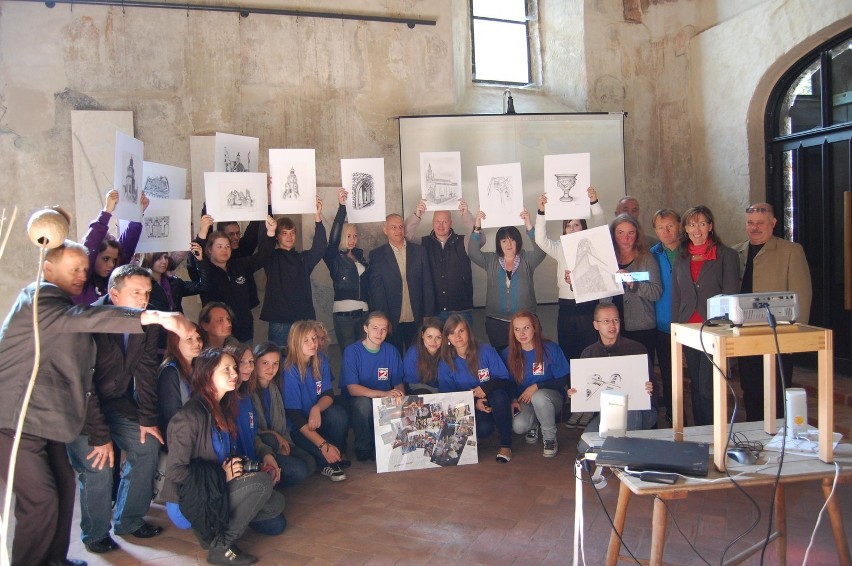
pixel 406 300
pixel 123 409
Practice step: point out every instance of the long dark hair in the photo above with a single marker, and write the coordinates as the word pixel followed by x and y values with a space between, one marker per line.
pixel 224 412
pixel 427 364
pixel 173 353
pixel 448 351
pixel 691 213
pixel 239 350
pixel 516 352
pixel 640 245
pixel 259 351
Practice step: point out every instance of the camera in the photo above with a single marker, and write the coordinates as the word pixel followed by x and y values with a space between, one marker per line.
pixel 250 465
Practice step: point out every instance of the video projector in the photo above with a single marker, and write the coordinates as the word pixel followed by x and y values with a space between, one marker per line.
pixel 750 308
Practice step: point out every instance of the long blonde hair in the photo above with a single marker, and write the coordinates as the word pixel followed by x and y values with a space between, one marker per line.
pixel 298 333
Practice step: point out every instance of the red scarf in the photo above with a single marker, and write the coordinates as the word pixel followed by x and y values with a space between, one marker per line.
pixel 699 254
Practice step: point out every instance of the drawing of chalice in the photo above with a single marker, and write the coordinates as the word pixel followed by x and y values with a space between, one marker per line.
pixel 566 182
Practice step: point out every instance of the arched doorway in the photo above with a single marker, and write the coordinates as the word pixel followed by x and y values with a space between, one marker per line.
pixel 809 167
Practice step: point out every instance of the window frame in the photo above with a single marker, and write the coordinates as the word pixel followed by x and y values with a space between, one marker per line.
pixel 527 27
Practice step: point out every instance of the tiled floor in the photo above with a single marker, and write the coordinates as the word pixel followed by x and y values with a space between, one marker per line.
pixel 518 513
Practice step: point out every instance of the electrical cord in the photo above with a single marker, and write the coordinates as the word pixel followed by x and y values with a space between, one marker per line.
pixel 822 511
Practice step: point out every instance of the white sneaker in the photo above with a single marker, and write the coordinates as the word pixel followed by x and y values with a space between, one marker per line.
pixel 333 472
pixel 532 435
pixel 551 448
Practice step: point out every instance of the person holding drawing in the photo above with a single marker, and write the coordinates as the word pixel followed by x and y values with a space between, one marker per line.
pixel 540 371
pixel 509 274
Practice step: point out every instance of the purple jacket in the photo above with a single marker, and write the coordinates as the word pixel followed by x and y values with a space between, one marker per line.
pixel 98 230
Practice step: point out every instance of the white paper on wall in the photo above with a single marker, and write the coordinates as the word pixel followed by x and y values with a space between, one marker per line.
pixel 567 178
pixel 501 195
pixel 590 258
pixel 294 181
pixel 364 180
pixel 625 374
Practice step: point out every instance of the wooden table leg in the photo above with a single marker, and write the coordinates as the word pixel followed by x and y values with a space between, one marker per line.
pixel 618 520
pixel 677 387
pixel 825 401
pixel 659 523
pixel 844 558
pixel 769 387
pixel 781 523
pixel 720 406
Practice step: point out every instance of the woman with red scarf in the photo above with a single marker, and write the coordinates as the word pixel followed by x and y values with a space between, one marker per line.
pixel 704 268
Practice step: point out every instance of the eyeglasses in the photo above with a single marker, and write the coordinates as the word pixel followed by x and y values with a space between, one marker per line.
pixel 751 209
pixel 608 321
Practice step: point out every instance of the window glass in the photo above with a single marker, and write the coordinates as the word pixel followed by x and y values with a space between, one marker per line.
pixel 500 9
pixel 800 110
pixel 500 41
pixel 841 83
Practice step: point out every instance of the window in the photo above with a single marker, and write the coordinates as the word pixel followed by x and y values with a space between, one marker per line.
pixel 500 33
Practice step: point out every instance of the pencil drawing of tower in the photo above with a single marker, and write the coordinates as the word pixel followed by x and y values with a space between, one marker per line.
pixel 439 190
pixel 363 190
pixel 131 192
pixel 291 187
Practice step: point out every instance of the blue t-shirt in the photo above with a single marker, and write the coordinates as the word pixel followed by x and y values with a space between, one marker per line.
pixel 410 375
pixel 554 366
pixel 490 367
pixel 303 394
pixel 246 428
pixel 381 371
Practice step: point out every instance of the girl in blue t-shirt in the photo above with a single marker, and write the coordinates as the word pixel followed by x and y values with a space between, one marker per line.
pixel 540 371
pixel 420 365
pixel 467 365
pixel 319 426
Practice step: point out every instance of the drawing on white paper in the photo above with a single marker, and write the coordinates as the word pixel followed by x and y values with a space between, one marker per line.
pixel 364 180
pixel 166 226
pixel 440 180
pixel 566 178
pixel 293 176
pixel 363 190
pixel 239 199
pixel 127 177
pixel 236 154
pixel 163 181
pixel 291 187
pixel 236 196
pixel 156 226
pixel 130 190
pixel 590 258
pixel 501 195
pixel 593 376
pixel 157 187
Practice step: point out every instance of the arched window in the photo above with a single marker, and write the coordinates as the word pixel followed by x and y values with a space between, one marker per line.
pixel 808 160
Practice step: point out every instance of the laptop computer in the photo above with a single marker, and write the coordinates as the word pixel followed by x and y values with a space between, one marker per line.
pixel 687 458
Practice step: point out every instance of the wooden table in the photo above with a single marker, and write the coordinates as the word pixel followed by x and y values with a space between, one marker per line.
pixel 723 343
pixel 796 469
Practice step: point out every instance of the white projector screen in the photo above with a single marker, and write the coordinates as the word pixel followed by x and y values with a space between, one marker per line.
pixel 510 138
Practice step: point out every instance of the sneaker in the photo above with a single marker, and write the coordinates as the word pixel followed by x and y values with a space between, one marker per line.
pixel 532 435
pixel 585 419
pixel 573 420
pixel 504 455
pixel 551 447
pixel 333 472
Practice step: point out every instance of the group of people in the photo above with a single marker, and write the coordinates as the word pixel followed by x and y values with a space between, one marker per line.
pixel 230 421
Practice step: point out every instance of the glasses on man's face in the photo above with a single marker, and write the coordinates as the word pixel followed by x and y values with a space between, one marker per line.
pixel 751 209
pixel 608 321
pixel 236 234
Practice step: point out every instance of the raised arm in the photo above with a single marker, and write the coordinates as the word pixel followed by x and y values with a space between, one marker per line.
pixel 553 248
pixel 413 222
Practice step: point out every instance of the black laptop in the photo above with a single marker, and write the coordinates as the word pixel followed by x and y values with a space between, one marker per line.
pixel 687 458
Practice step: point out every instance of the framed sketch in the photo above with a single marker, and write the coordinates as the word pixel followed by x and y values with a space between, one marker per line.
pixel 127 178
pixel 626 374
pixel 364 179
pixel 424 431
pixel 590 258
pixel 440 180
pixel 163 181
pixel 501 195
pixel 566 180
pixel 236 196
pixel 236 154
pixel 294 181
pixel 166 226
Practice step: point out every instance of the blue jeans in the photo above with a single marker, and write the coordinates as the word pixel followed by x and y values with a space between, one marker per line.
pixel 361 419
pixel 279 332
pixel 546 403
pixel 334 428
pixel 295 467
pixel 135 489
pixel 500 418
pixel 348 329
pixel 468 316
pixel 250 499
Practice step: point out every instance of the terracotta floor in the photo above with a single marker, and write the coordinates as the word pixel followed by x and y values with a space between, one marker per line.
pixel 518 513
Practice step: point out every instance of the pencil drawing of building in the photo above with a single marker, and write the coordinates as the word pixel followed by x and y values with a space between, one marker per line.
pixel 291 187
pixel 131 191
pixel 439 190
pixel 238 199
pixel 363 190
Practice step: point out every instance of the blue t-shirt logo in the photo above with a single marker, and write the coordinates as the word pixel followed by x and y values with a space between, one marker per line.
pixel 538 368
pixel 383 374
pixel 319 388
pixel 484 375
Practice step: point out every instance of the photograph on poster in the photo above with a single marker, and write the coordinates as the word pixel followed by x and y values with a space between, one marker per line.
pixel 364 179
pixel 566 178
pixel 236 196
pixel 501 195
pixel 236 154
pixel 163 181
pixel 424 431
pixel 166 226
pixel 127 177
pixel 440 180
pixel 592 376
pixel 590 258
pixel 294 181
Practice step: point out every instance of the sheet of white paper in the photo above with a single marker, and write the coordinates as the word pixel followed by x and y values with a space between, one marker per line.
pixel 424 431
pixel 364 180
pixel 163 181
pixel 590 258
pixel 440 180
pixel 236 154
pixel 294 181
pixel 626 374
pixel 166 226
pixel 501 195
pixel 127 178
pixel 566 179
pixel 806 444
pixel 236 196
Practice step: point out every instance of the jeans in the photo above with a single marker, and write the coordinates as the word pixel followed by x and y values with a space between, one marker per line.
pixel 334 428
pixel 279 332
pixel 574 327
pixel 498 333
pixel 361 419
pixel 545 404
pixel 468 316
pixel 500 418
pixel 701 377
pixel 402 334
pixel 250 498
pixel 348 329
pixel 135 489
pixel 295 467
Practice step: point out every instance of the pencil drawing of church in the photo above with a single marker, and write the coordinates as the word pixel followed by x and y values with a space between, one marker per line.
pixel 291 187
pixel 363 190
pixel 131 191
pixel 440 190
pixel 236 165
pixel 239 199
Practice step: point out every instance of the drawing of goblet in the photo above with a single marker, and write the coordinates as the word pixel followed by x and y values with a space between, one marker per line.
pixel 566 182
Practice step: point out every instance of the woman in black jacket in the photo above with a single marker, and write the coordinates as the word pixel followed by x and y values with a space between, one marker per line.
pixel 348 270
pixel 205 429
